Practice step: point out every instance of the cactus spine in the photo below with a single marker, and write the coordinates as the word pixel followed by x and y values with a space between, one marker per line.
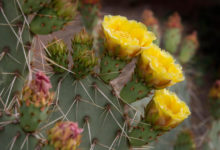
pixel 83 101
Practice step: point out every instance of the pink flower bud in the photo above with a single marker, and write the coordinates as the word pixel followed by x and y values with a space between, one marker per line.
pixel 42 83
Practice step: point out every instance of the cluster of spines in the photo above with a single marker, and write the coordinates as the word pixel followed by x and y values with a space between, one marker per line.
pixel 94 141
pixel 57 51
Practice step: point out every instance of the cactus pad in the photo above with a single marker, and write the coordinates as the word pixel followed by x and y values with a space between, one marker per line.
pixel 110 68
pixel 142 134
pixel 134 90
pixel 30 6
pixel 41 25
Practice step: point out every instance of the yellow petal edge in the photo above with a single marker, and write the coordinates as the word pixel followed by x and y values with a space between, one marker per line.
pixel 168 104
pixel 128 36
pixel 163 68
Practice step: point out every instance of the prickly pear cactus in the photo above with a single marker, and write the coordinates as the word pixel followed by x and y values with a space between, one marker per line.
pixel 75 106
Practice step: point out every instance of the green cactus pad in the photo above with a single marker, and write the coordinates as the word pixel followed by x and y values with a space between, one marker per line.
pixel 143 134
pixel 46 21
pixel 134 90
pixel 172 39
pixel 184 141
pixel 57 51
pixel 31 117
pixel 187 51
pixel 110 68
pixel 13 137
pixel 30 6
pixel 91 103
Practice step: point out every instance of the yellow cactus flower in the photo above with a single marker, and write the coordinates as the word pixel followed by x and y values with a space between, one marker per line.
pixel 165 111
pixel 158 68
pixel 125 38
pixel 38 91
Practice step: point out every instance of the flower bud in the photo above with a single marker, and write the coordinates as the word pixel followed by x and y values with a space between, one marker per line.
pixel 65 136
